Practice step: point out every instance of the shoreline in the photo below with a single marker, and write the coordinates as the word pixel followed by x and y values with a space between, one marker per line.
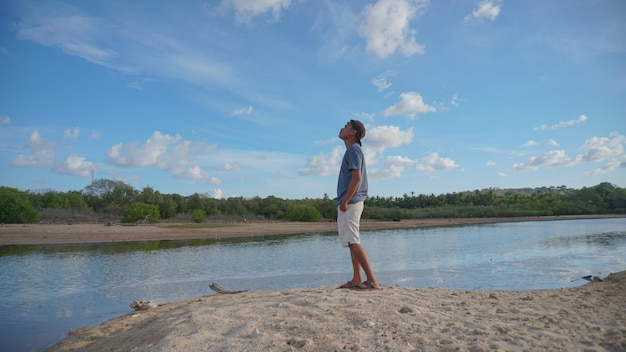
pixel 31 234
pixel 591 317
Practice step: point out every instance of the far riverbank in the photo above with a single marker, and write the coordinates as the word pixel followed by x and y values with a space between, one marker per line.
pixel 15 234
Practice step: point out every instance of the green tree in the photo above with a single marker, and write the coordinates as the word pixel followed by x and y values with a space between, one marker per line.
pixel 74 200
pixel 109 195
pixel 327 206
pixel 46 199
pixel 212 206
pixel 149 196
pixel 194 202
pixel 15 207
pixel 273 207
pixel 57 200
pixel 233 206
pixel 616 200
pixel 181 206
pixel 368 213
pixel 168 208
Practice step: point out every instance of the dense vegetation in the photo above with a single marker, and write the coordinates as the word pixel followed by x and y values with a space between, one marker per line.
pixel 111 201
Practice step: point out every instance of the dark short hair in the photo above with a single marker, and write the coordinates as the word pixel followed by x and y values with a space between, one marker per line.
pixel 359 128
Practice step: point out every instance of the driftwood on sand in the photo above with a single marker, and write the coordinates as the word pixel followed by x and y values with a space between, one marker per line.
pixel 141 305
pixel 219 289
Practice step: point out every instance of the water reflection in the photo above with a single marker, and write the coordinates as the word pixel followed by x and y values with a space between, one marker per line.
pixel 50 289
pixel 604 239
pixel 126 247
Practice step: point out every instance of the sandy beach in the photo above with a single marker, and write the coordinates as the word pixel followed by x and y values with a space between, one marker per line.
pixel 591 317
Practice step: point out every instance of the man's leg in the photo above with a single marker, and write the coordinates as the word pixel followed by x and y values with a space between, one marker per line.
pixel 359 260
pixel 356 266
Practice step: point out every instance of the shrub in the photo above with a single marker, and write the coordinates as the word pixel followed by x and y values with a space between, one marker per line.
pixel 55 215
pixel 198 216
pixel 304 213
pixel 15 208
pixel 140 211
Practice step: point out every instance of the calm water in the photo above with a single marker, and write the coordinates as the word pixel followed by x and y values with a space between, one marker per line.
pixel 47 290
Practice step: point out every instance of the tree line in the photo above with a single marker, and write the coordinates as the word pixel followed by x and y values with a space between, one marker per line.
pixel 107 200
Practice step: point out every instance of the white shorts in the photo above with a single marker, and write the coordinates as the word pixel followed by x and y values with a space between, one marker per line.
pixel 348 224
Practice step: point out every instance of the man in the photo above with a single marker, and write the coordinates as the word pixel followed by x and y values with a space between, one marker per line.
pixel 351 194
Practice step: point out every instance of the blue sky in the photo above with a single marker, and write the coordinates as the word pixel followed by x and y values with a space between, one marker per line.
pixel 246 97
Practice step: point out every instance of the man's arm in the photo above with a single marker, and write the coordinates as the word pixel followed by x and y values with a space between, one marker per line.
pixel 352 188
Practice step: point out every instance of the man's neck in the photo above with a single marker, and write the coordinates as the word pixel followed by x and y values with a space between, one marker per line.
pixel 349 142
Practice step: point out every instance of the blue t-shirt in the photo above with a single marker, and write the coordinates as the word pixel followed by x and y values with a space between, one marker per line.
pixel 352 160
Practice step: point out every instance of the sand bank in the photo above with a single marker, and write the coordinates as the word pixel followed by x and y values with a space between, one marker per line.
pixel 591 317
pixel 66 233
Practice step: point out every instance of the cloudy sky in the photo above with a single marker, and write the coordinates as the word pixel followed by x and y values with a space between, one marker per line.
pixel 246 97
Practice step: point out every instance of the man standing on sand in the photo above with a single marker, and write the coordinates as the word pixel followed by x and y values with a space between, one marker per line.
pixel 351 194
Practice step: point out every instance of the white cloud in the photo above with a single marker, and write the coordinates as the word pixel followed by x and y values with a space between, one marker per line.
pixel 326 142
pixel 178 160
pixel 490 163
pixel 502 174
pixel 380 138
pixel 246 10
pixel 140 83
pixel 394 167
pixel 600 148
pixel 553 143
pixel 234 167
pixel 442 106
pixel 562 124
pixel 455 101
pixel 365 116
pixel 381 81
pixel 74 34
pixel 76 166
pixel 130 155
pixel 242 111
pixel 433 162
pixel 551 159
pixel 411 105
pixel 323 164
pixel 530 143
pixel 613 164
pixel 193 172
pixel 217 193
pixel 386 26
pixel 128 47
pixel 4 120
pixel 486 10
pixel 72 133
pixel 596 149
pixel 164 152
pixel 193 67
pixel 41 152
